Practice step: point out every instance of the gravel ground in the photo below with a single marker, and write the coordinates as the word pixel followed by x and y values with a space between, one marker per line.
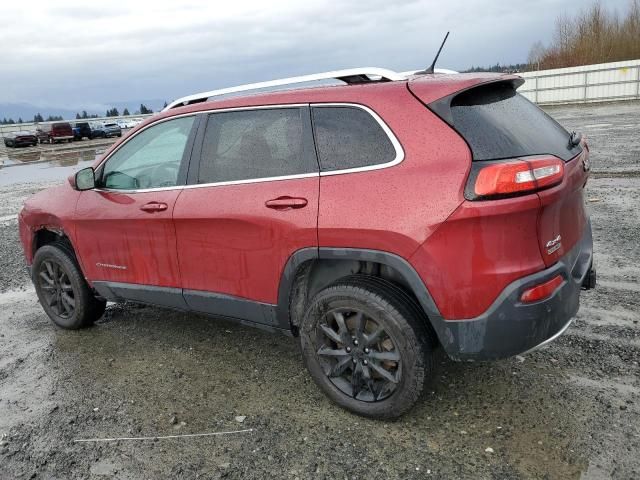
pixel 571 410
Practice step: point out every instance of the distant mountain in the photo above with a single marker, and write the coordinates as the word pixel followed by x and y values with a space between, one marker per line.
pixel 27 111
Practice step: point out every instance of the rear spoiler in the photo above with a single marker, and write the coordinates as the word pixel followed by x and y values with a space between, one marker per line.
pixel 437 92
pixel 442 107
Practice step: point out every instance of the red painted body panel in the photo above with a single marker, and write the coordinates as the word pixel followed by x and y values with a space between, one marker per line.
pixel 113 232
pixel 396 209
pixel 477 252
pixel 53 208
pixel 563 211
pixel 230 242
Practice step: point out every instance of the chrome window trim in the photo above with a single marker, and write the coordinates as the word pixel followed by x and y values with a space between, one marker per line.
pixel 392 138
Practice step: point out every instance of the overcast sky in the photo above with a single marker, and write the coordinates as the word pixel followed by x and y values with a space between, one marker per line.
pixel 75 54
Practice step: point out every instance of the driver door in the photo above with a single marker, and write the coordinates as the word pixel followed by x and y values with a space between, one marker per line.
pixel 124 227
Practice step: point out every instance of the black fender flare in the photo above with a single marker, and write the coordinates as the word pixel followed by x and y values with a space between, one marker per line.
pixel 402 266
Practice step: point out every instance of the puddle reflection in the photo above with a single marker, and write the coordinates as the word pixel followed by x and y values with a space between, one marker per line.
pixel 33 166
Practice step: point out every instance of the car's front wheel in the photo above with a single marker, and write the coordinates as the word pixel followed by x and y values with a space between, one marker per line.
pixel 62 289
pixel 366 344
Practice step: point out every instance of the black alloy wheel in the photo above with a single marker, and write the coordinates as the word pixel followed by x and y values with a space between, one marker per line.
pixel 368 345
pixel 56 288
pixel 358 355
pixel 62 290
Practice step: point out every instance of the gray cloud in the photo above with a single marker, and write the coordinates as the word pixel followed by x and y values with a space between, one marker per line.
pixel 80 54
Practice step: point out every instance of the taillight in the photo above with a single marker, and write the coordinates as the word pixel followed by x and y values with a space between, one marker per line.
pixel 508 178
pixel 542 291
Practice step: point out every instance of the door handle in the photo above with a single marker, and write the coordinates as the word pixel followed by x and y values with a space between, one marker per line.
pixel 154 207
pixel 285 203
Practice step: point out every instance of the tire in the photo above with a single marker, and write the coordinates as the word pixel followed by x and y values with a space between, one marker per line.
pixel 70 140
pixel 62 290
pixel 405 349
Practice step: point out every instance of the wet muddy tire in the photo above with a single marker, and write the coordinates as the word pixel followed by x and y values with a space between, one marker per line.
pixel 367 346
pixel 62 290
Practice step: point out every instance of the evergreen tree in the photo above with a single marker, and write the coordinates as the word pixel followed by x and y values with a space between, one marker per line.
pixel 144 110
pixel 84 114
pixel 125 112
pixel 20 120
pixel 38 118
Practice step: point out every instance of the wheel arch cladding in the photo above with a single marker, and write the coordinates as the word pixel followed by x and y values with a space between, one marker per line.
pixel 310 270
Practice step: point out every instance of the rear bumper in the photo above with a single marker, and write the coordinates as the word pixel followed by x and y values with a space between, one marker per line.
pixel 510 327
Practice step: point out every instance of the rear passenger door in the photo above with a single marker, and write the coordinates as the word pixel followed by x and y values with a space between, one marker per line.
pixel 251 202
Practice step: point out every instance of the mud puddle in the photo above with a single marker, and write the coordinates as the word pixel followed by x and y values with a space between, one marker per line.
pixel 45 166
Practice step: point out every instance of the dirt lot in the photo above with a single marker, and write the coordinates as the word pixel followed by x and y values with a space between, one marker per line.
pixel 568 411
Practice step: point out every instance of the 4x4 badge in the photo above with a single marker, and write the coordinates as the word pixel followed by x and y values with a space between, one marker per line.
pixel 554 244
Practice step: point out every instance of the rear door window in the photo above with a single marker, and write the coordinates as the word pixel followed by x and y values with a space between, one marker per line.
pixel 254 144
pixel 349 137
pixel 497 122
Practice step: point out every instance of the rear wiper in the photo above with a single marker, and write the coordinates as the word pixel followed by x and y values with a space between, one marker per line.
pixel 574 139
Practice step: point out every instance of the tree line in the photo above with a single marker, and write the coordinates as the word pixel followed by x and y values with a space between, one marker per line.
pixel 594 35
pixel 36 118
pixel 113 112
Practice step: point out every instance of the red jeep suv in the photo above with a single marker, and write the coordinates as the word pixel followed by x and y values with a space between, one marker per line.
pixel 375 221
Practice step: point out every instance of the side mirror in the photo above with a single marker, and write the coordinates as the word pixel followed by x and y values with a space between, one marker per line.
pixel 85 179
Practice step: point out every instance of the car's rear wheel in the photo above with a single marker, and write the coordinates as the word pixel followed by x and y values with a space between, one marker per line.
pixel 366 345
pixel 62 289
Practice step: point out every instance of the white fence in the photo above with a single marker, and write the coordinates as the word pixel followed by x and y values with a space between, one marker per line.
pixel 30 126
pixel 589 83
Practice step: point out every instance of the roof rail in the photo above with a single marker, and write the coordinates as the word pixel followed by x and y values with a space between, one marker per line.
pixel 349 76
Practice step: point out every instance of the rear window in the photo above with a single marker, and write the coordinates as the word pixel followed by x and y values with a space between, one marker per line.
pixel 349 137
pixel 61 126
pixel 497 122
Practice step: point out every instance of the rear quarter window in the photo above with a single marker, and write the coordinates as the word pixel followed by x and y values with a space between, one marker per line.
pixel 349 137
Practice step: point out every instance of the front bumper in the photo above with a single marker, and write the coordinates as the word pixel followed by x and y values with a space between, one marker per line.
pixel 510 327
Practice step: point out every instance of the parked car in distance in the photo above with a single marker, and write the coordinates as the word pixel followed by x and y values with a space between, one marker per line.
pixel 54 132
pixel 112 130
pixel 124 124
pixel 82 130
pixel 22 138
pixel 97 130
pixel 375 222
